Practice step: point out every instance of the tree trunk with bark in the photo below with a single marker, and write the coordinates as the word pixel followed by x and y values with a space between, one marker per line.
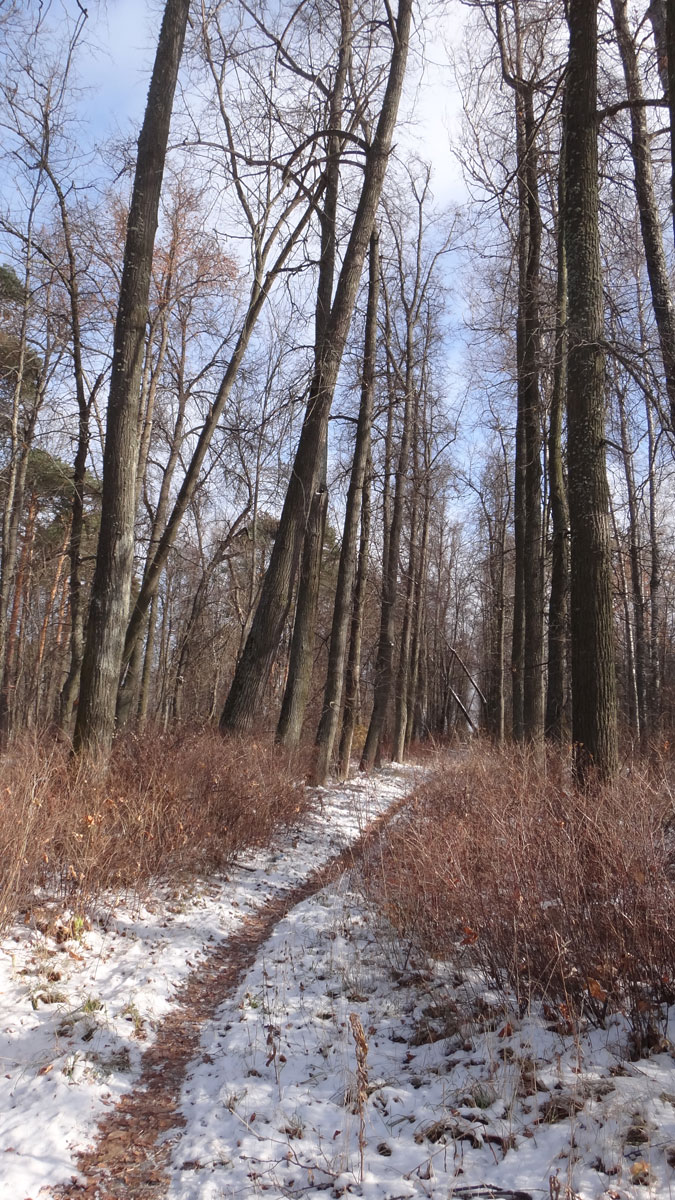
pixel 533 692
pixel 650 221
pixel 637 592
pixel 655 584
pixel 404 670
pixel 342 608
pixel 111 589
pixel 353 668
pixel 593 675
pixel 385 646
pixel 301 658
pixel 558 629
pixel 301 661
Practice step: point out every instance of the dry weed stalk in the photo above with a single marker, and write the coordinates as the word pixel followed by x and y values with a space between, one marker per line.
pixel 361 1046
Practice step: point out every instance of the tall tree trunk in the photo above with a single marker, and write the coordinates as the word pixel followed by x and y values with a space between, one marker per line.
pixel 670 56
pixel 496 707
pixel 22 571
pixel 655 581
pixel 111 590
pixel 650 221
pixel 593 674
pixel 662 16
pixel 149 390
pixel 657 15
pixel 255 664
pixel 84 403
pixel 421 727
pixel 413 705
pixel 72 682
pixel 405 645
pixel 130 679
pixel 637 592
pixel 533 693
pixel 19 487
pixel 631 686
pixel 385 645
pixel 353 668
pixel 555 723
pixel 301 661
pixel 330 713
pixel 301 658
pixel 148 657
pixel 49 608
pixel 408 361
pixel 520 471
pixel 55 670
pixel 528 606
pixel 15 471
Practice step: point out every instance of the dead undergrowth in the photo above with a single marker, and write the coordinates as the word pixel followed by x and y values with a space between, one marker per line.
pixel 552 893
pixel 187 800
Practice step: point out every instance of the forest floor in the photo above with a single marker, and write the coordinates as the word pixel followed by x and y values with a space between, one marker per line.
pixel 205 1044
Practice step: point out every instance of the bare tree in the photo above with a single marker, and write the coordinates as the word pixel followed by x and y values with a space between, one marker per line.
pixel 302 645
pixel 593 680
pixel 255 663
pixel 111 588
pixel 344 593
pixel 411 286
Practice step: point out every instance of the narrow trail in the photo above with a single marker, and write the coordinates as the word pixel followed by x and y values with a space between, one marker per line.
pixel 130 1156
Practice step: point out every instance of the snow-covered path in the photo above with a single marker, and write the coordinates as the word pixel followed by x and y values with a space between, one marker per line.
pixel 463 1100
pixel 246 997
pixel 82 1009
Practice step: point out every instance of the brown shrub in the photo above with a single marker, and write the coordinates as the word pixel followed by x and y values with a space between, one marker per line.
pixel 551 892
pixel 188 800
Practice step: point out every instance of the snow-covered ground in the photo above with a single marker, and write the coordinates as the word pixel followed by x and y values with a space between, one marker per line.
pixel 460 1093
pixel 79 1005
pixel 459 1096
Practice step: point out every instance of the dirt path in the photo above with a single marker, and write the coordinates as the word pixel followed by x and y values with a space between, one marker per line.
pixel 129 1159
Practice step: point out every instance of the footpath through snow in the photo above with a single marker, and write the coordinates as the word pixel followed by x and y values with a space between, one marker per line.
pixel 81 1008
pixel 211 1036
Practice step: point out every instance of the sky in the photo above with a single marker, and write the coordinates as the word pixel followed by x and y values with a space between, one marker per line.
pixel 117 70
pixel 116 73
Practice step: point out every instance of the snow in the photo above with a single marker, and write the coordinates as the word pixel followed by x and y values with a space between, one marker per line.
pixel 462 1092
pixel 76 1013
pixel 285 1124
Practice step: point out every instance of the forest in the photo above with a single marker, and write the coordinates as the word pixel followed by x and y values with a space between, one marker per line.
pixel 337 599
pixel 289 445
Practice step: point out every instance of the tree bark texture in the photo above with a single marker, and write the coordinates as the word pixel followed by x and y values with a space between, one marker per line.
pixel 650 221
pixel 637 591
pixel 353 668
pixel 533 694
pixel 342 608
pixel 404 670
pixel 111 589
pixel 558 633
pixel 385 646
pixel 301 660
pixel 670 58
pixel 655 584
pixel 592 635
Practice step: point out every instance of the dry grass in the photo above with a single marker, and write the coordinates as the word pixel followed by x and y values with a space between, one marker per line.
pixel 167 803
pixel 553 893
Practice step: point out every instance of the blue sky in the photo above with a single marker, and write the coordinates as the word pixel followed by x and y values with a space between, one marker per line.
pixel 117 72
